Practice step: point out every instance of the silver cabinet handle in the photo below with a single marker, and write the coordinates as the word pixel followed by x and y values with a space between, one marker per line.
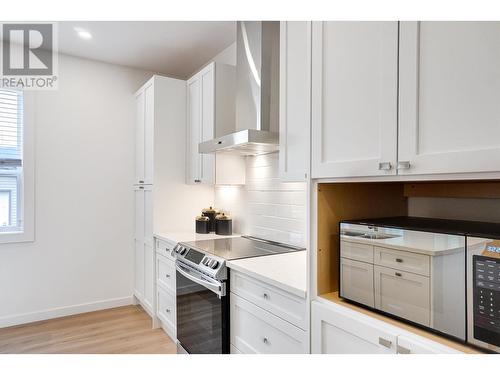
pixel 399 260
pixel 403 350
pixel 403 165
pixel 168 276
pixel 384 166
pixel 265 340
pixel 141 181
pixel 266 296
pixel 197 181
pixel 398 274
pixel 167 310
pixel 385 342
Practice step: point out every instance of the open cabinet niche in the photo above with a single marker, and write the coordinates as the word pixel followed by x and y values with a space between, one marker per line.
pixel 459 200
pixel 341 201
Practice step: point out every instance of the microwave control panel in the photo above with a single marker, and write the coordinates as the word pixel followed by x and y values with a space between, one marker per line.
pixel 486 299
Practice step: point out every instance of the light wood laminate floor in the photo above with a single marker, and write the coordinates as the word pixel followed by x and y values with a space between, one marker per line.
pixel 123 330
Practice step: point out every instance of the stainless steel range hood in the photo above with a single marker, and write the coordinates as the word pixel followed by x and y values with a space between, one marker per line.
pixel 257 93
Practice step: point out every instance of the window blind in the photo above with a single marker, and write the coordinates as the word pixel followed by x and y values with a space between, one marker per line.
pixel 11 155
pixel 11 124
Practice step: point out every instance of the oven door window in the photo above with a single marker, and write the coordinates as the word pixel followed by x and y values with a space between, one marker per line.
pixel 199 318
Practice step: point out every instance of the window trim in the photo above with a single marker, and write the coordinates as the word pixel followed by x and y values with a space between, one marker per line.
pixel 27 188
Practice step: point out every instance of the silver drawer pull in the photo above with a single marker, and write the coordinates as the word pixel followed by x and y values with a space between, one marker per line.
pixel 197 181
pixel 384 342
pixel 384 166
pixel 167 310
pixel 265 340
pixel 168 276
pixel 403 350
pixel 403 165
pixel 399 260
pixel 266 296
pixel 398 274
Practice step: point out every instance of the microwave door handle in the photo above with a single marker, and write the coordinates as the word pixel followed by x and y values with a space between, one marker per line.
pixel 216 288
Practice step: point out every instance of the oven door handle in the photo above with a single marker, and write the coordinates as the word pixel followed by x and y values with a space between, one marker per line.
pixel 217 288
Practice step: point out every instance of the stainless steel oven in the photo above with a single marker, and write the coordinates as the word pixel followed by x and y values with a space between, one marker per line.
pixel 202 306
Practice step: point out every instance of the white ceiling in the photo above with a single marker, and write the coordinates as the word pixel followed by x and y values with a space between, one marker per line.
pixel 173 48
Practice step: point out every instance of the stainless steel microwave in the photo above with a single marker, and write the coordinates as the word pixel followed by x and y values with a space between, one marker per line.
pixel 442 275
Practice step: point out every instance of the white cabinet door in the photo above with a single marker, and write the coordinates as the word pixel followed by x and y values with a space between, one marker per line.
pixel 144 246
pixel 139 242
pixel 295 100
pixel 149 103
pixel 207 122
pixel 139 270
pixel 194 129
pixel 357 281
pixel 139 138
pixel 201 119
pixel 413 344
pixel 449 117
pixel 404 294
pixel 149 278
pixel 339 330
pixel 354 98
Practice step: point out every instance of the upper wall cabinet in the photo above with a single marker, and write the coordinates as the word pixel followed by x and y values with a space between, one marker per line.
pixel 295 100
pixel 210 114
pixel 449 112
pixel 354 98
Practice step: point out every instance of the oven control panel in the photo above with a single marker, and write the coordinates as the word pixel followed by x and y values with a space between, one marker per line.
pixel 486 299
pixel 208 264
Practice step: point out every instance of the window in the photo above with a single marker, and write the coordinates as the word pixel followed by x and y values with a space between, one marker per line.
pixel 16 167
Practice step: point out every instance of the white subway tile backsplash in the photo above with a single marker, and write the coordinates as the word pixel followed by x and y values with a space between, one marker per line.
pixel 268 208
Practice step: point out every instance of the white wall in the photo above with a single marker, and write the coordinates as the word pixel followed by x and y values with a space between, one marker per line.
pixel 84 156
pixel 266 207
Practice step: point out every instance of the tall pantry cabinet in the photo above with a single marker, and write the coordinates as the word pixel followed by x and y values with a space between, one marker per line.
pixel 159 186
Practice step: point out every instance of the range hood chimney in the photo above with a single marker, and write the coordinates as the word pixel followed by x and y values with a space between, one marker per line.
pixel 257 92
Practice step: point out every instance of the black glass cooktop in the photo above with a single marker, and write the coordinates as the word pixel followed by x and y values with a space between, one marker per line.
pixel 240 247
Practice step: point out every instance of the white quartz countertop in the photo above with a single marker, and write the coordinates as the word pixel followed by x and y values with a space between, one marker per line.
pixel 189 236
pixel 286 271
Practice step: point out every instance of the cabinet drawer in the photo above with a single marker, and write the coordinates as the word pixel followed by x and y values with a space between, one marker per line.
pixel 402 260
pixel 277 301
pixel 357 281
pixel 356 251
pixel 165 248
pixel 254 330
pixel 165 273
pixel 403 294
pixel 166 309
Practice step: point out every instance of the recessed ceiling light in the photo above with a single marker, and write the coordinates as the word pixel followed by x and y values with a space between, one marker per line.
pixel 82 33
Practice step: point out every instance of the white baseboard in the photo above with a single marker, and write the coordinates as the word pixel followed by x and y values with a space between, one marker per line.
pixel 13 320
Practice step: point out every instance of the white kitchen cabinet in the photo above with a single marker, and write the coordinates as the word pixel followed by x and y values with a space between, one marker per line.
pixel 409 343
pixel 449 117
pixel 144 135
pixel 404 294
pixel 357 281
pixel 166 311
pixel 160 174
pixel 338 330
pixel 144 250
pixel 295 100
pixel 257 331
pixel 210 113
pixel 354 98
